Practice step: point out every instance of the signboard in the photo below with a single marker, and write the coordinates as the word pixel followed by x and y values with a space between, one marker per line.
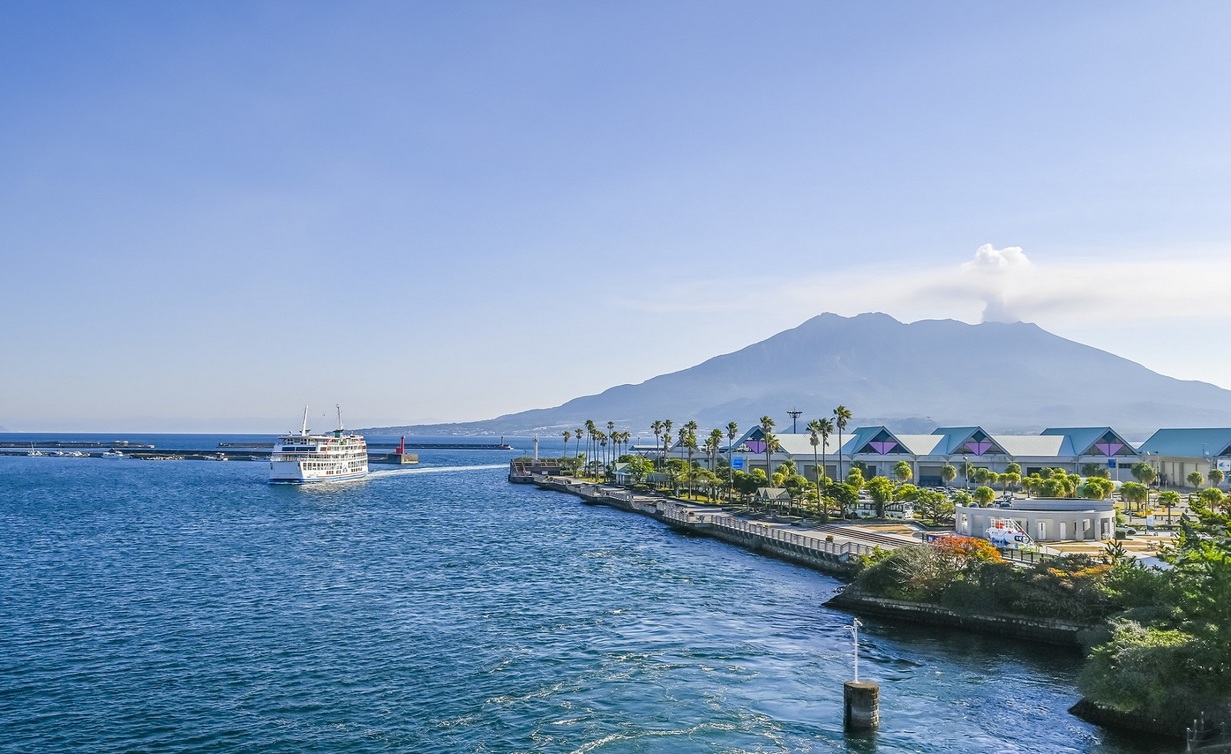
pixel 1224 464
pixel 1111 463
pixel 737 464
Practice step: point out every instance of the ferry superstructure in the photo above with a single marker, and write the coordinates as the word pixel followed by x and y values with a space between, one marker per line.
pixel 304 457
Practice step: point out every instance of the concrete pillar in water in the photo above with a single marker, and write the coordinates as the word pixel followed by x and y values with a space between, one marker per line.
pixel 861 705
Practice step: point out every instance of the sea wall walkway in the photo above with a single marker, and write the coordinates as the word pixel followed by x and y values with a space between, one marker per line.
pixel 831 548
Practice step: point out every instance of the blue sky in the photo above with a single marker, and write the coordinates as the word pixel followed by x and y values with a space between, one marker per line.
pixel 213 213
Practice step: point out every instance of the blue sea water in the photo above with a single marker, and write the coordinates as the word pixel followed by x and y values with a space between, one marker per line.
pixel 187 606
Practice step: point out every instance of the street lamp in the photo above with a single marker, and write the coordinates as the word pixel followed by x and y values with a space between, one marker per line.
pixel 854 629
pixel 966 472
pixel 794 414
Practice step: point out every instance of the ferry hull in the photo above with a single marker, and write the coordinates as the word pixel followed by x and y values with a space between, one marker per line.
pixel 290 473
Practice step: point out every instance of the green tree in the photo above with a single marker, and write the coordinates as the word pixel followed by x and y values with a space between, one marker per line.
pixel 814 439
pixel 902 471
pixel 881 490
pixel 591 444
pixel 567 436
pixel 934 506
pixel 1096 488
pixel 984 495
pixel 1211 497
pixel 948 473
pixel 657 428
pixel 824 428
pixel 855 478
pixel 1143 472
pixel 690 443
pixel 1169 499
pixel 1010 479
pixel 639 467
pixel 1134 493
pixel 1179 660
pixel 1095 469
pixel 844 496
pixel 767 424
pixel 713 445
pixel 1195 479
pixel 732 433
pixel 1215 476
pixel 841 415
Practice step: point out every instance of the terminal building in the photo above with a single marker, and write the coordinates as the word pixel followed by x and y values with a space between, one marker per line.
pixel 878 450
pixel 1176 453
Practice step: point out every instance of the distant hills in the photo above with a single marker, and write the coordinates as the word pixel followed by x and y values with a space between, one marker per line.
pixel 910 377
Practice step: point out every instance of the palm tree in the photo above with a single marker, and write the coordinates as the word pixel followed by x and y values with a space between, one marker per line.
pixel 667 424
pixel 771 446
pixel 841 416
pixel 591 446
pixel 690 442
pixel 814 430
pixel 712 445
pixel 577 436
pixel 766 425
pixel 826 431
pixel 732 433
pixel 691 426
pixel 567 436
pixel 657 428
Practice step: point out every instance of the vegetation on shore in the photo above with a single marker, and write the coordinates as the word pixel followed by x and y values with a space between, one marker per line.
pixel 967 574
pixel 1170 630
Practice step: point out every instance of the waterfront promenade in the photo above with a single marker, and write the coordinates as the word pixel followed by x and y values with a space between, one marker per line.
pixel 829 547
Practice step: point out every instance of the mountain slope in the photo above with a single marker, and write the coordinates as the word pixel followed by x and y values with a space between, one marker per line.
pixel 1004 377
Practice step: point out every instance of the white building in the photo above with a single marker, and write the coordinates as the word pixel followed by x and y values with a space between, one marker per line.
pixel 1043 519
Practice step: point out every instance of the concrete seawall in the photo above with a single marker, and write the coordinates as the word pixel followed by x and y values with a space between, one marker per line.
pixel 778 541
pixel 1059 632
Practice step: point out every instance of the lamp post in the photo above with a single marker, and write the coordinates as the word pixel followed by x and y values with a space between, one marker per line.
pixel 854 629
pixel 794 414
pixel 860 700
pixel 966 472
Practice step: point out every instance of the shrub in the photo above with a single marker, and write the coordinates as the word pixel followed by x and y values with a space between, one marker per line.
pixel 1144 669
pixel 914 573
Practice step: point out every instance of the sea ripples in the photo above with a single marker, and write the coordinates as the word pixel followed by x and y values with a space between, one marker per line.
pixel 192 607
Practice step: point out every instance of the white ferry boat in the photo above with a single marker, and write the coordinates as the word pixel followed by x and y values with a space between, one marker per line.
pixel 304 457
